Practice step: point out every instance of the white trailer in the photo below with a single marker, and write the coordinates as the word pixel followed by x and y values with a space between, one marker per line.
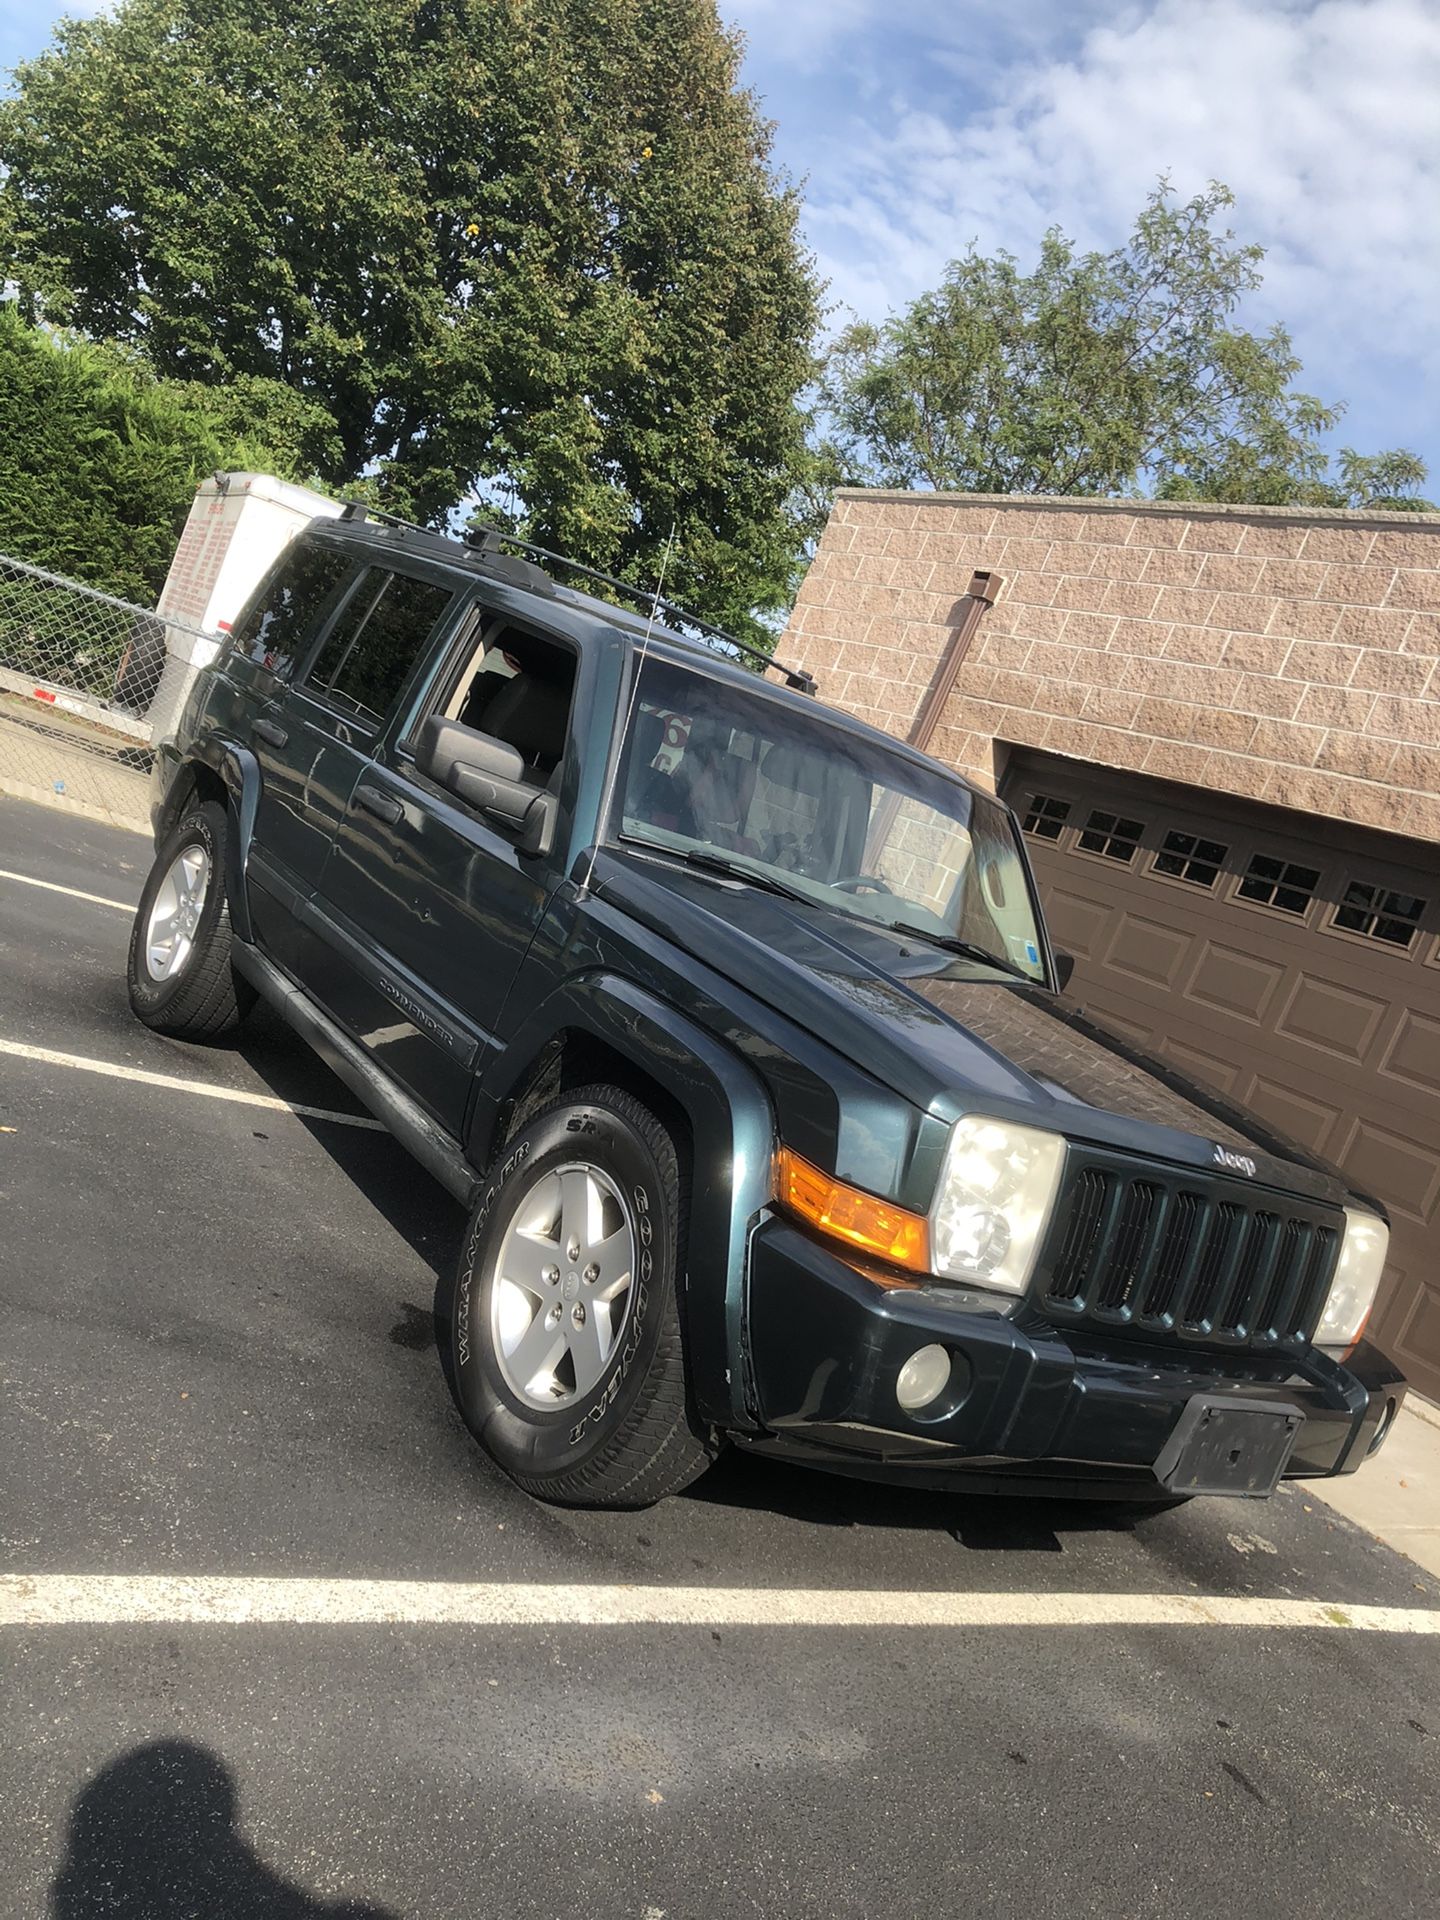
pixel 238 524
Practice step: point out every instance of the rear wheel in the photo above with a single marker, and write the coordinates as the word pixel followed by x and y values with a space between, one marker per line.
pixel 181 979
pixel 569 1365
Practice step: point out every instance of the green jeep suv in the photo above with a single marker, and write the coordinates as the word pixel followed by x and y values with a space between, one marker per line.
pixel 735 1025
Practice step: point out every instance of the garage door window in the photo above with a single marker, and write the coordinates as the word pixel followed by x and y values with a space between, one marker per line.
pixel 1111 836
pixel 1379 914
pixel 1046 816
pixel 1184 856
pixel 1281 884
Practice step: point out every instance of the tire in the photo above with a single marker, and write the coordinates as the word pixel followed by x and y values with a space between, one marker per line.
pixel 597 1418
pixel 199 997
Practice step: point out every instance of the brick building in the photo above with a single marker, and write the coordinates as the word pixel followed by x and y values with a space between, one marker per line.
pixel 1221 729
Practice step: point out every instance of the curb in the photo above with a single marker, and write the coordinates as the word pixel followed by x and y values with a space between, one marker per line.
pixel 1393 1498
pixel 43 797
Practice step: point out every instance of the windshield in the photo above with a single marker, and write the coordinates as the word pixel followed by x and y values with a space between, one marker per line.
pixel 708 771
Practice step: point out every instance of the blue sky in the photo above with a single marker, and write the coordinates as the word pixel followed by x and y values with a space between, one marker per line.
pixel 919 125
pixel 923 124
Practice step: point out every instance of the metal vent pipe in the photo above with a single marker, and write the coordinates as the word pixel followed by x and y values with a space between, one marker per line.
pixel 965 617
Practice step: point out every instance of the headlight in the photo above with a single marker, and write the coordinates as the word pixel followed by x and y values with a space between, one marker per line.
pixel 1357 1275
pixel 996 1189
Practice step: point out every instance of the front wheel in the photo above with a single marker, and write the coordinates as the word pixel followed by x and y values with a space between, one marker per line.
pixel 179 973
pixel 566 1342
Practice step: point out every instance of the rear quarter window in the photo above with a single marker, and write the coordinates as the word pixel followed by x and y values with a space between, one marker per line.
pixel 286 610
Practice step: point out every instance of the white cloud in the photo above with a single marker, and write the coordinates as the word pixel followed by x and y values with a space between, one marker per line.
pixel 802 32
pixel 1322 117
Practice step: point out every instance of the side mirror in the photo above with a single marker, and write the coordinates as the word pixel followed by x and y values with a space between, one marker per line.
pixel 487 774
pixel 1064 967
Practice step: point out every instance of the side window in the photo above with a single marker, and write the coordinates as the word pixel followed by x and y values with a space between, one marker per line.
pixel 282 615
pixel 514 686
pixel 372 646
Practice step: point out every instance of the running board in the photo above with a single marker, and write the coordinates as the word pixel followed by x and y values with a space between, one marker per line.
pixel 410 1124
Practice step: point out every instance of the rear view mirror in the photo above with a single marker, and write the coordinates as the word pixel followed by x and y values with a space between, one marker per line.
pixel 1064 968
pixel 487 774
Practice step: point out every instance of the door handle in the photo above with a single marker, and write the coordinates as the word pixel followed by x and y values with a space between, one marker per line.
pixel 380 804
pixel 270 733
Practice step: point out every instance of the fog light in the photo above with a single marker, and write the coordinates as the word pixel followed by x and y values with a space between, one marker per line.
pixel 923 1378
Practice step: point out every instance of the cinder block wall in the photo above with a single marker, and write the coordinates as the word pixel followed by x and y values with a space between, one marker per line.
pixel 1278 654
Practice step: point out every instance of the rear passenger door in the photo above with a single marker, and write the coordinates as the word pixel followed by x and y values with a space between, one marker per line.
pixel 428 904
pixel 324 732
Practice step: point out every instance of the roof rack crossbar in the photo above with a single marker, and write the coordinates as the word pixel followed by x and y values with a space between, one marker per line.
pixel 488 539
pixel 362 510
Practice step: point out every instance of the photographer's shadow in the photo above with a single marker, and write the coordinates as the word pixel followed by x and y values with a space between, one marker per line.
pixel 155 1837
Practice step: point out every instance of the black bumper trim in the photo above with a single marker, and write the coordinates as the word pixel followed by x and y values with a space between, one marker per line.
pixel 1027 1402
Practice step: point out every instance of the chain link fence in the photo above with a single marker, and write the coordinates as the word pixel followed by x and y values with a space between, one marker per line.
pixel 84 680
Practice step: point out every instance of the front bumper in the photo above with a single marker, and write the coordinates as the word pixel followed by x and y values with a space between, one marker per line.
pixel 1027 1406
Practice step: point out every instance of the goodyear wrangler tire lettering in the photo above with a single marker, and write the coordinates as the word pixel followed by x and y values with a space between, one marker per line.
pixel 520 1316
pixel 464 1284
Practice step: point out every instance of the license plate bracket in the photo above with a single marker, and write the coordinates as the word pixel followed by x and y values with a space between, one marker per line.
pixel 1229 1445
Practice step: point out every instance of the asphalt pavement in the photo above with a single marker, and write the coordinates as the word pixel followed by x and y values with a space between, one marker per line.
pixel 218 1354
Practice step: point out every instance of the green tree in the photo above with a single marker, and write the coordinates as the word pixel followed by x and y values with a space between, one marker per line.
pixel 1097 373
pixel 531 245
pixel 1381 481
pixel 99 461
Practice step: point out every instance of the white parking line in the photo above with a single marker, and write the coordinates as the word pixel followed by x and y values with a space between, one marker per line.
pixel 75 893
pixel 105 1600
pixel 47 1056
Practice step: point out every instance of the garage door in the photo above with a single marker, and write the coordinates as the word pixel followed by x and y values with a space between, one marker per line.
pixel 1295 965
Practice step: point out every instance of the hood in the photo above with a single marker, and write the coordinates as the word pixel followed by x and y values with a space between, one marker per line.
pixel 947 1033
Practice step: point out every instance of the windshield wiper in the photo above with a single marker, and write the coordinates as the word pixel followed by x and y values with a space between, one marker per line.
pixel 709 862
pixel 967 949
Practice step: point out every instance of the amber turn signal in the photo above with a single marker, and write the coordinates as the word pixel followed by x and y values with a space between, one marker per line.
pixel 861 1220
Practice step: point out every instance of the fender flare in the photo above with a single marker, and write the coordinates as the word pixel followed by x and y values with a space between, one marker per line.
pixel 239 771
pixel 732 1125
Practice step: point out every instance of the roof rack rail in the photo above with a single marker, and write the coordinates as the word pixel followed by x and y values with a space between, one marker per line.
pixel 520 573
pixel 488 540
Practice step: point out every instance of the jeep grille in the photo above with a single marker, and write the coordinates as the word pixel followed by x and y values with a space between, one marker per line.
pixel 1207 1262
